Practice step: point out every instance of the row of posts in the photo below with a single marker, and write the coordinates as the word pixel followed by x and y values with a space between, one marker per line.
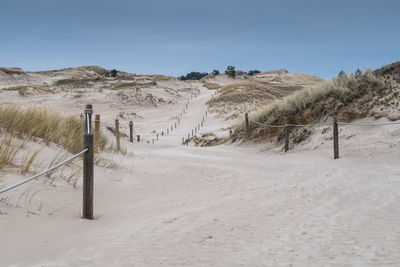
pixel 287 135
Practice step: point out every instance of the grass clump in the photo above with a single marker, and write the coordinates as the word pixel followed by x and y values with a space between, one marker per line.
pixel 347 96
pixel 51 127
pixel 211 86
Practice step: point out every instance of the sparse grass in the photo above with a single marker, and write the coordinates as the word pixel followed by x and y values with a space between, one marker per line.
pixel 106 163
pixel 133 85
pixel 345 96
pixel 250 91
pixel 27 161
pixel 50 126
pixel 211 86
pixel 8 151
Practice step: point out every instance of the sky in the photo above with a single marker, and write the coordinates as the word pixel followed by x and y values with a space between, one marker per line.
pixel 174 37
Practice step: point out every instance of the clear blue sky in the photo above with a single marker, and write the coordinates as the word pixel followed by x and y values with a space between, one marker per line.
pixel 173 37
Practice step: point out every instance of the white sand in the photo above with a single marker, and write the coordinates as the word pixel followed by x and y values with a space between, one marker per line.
pixel 231 205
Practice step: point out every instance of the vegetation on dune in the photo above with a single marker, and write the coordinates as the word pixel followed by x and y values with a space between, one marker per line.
pixel 50 126
pixel 252 72
pixel 133 85
pixel 250 92
pixel 211 86
pixel 349 97
pixel 194 75
pixel 230 71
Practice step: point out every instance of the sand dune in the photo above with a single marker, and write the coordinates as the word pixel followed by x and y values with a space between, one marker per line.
pixel 229 205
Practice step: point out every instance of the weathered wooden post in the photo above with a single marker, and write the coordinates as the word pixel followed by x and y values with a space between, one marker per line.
pixel 117 134
pixel 335 139
pixel 192 132
pixel 152 141
pixel 157 136
pixel 202 124
pixel 171 128
pixel 198 127
pixel 96 133
pixel 287 133
pixel 131 131
pixel 206 113
pixel 246 118
pixel 175 125
pixel 138 138
pixel 167 130
pixel 88 166
pixel 162 133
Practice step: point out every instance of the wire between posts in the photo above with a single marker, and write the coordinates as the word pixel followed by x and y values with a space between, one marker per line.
pixel 43 172
pixel 366 125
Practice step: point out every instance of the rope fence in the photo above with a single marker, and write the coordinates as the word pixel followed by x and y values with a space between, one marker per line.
pixel 88 166
pixel 335 125
pixel 43 172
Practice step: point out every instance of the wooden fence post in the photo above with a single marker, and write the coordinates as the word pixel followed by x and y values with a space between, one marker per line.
pixel 88 166
pixel 138 138
pixel 96 133
pixel 335 139
pixel 131 131
pixel 117 134
pixel 287 133
pixel 246 118
pixel 157 136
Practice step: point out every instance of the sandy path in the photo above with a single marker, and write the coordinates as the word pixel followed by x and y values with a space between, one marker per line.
pixel 226 206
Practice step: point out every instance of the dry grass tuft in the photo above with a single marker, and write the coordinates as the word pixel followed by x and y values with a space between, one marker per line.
pixel 211 86
pixel 51 127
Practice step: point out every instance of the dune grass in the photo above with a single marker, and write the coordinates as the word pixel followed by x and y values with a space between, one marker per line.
pixel 347 96
pixel 250 91
pixel 211 86
pixel 50 126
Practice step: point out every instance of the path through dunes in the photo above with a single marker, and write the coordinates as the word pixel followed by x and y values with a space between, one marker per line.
pixel 228 205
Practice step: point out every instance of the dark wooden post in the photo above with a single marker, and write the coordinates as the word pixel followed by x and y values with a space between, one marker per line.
pixel 157 136
pixel 117 134
pixel 138 138
pixel 335 139
pixel 162 133
pixel 88 166
pixel 287 133
pixel 246 118
pixel 131 131
pixel 96 133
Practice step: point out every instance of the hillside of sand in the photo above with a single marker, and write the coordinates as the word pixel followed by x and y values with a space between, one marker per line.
pixel 228 205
